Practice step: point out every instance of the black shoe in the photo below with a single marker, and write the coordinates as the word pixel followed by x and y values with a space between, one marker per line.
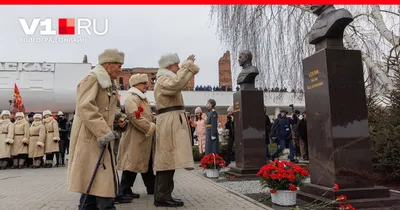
pixel 170 203
pixel 176 200
pixel 123 199
pixel 133 195
pixel 150 192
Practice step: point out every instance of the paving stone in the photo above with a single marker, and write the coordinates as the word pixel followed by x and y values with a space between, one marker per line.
pixel 45 189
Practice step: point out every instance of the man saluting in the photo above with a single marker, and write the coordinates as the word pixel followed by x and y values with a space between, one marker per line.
pixel 173 142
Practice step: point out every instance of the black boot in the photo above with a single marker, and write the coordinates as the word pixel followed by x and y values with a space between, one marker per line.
pixel 128 192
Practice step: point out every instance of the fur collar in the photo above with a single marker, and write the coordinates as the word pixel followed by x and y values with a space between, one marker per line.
pixel 162 72
pixel 5 121
pixel 36 123
pixel 135 91
pixel 17 122
pixel 49 119
pixel 102 76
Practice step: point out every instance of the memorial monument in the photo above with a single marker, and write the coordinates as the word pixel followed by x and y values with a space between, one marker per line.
pixel 338 137
pixel 249 121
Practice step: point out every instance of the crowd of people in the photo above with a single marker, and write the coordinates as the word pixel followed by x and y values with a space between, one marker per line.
pixel 33 141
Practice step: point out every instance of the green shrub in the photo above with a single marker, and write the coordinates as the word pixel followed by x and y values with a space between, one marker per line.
pixel 197 156
pixel 224 148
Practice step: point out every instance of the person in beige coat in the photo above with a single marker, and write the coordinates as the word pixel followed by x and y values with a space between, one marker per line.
pixel 52 138
pixel 37 137
pixel 173 148
pixel 6 138
pixel 135 146
pixel 19 150
pixel 92 130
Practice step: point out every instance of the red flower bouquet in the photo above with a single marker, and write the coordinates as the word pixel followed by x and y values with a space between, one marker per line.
pixel 282 175
pixel 212 161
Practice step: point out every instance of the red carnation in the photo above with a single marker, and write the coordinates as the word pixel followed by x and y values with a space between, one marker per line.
pixel 137 114
pixel 336 187
pixel 350 207
pixel 341 198
pixel 292 187
pixel 140 109
pixel 272 191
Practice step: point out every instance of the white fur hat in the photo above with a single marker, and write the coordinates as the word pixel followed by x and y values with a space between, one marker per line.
pixel 46 112
pixel 5 112
pixel 60 113
pixel 198 110
pixel 37 116
pixel 111 56
pixel 19 114
pixel 168 59
pixel 230 109
pixel 138 78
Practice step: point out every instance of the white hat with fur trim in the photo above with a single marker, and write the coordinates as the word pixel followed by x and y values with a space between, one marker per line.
pixel 5 112
pixel 138 78
pixel 168 59
pixel 37 116
pixel 60 113
pixel 47 112
pixel 230 109
pixel 111 56
pixel 19 114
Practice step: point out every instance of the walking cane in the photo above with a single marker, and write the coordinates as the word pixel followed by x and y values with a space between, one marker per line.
pixel 92 179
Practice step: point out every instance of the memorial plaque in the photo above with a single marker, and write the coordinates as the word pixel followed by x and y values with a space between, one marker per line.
pixel 249 132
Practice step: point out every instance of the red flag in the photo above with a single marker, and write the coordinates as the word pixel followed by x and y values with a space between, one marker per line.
pixel 18 104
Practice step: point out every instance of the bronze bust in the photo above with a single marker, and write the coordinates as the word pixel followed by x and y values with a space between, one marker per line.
pixel 329 27
pixel 248 75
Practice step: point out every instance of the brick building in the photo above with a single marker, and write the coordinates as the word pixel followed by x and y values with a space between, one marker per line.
pixel 151 73
pixel 224 69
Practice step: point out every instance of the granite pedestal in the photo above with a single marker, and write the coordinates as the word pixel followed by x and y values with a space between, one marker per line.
pixel 249 133
pixel 337 127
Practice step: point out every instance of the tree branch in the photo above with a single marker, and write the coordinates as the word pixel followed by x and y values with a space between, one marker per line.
pixel 381 26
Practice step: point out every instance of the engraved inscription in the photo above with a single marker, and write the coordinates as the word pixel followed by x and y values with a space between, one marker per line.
pixel 314 80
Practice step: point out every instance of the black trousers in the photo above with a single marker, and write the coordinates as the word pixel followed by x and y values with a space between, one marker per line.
pixel 164 186
pixel 229 148
pixel 96 203
pixel 129 177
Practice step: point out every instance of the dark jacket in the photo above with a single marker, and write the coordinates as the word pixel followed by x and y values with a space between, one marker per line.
pixel 302 129
pixel 230 126
pixel 282 126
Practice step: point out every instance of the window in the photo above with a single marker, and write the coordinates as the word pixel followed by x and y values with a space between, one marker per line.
pixel 121 80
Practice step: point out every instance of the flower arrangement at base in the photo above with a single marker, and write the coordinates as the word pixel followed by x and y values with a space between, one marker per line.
pixel 212 163
pixel 320 204
pixel 283 179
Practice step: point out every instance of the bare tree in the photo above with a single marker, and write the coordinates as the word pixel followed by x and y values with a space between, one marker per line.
pixel 278 37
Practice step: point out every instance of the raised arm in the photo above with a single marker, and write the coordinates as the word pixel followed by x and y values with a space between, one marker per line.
pixel 173 85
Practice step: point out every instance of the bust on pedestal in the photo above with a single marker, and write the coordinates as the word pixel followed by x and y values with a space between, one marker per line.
pixel 249 126
pixel 337 117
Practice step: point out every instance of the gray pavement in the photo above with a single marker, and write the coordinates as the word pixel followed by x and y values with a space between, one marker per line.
pixel 45 189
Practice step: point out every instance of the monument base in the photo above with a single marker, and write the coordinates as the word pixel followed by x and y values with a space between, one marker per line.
pixel 239 173
pixel 359 198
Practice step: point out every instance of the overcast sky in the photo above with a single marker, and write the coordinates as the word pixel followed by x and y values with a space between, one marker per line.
pixel 142 32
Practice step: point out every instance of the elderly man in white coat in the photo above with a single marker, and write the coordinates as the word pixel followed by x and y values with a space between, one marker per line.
pixel 135 147
pixel 92 130
pixel 173 148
